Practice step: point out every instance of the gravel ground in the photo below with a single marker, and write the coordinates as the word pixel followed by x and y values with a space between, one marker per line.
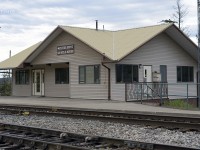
pixel 108 129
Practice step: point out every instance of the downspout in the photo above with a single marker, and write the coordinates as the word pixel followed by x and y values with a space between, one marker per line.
pixel 109 84
pixel 109 87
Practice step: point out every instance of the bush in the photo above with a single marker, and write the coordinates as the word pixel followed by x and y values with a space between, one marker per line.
pixel 178 103
pixel 5 89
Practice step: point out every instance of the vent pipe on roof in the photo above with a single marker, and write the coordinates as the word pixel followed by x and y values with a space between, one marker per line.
pixel 10 54
pixel 96 24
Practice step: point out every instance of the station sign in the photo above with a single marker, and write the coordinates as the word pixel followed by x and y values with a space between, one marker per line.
pixel 65 49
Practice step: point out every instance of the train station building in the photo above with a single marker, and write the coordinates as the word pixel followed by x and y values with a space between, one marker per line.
pixel 95 64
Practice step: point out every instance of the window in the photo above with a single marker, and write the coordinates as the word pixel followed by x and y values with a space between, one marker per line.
pixel 62 75
pixel 126 73
pixel 185 74
pixel 89 74
pixel 22 77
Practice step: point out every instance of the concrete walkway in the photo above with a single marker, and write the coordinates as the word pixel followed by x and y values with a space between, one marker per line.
pixel 94 104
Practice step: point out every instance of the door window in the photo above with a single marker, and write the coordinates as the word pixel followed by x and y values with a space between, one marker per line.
pixel 38 81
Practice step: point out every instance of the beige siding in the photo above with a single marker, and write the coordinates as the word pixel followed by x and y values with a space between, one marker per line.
pixel 21 90
pixel 159 51
pixel 52 89
pixel 117 89
pixel 83 55
pixel 91 91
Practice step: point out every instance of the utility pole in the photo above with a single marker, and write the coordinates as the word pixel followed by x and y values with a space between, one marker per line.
pixel 198 70
pixel 9 69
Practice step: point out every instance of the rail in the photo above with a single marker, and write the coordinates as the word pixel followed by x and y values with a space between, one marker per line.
pixel 23 137
pixel 146 118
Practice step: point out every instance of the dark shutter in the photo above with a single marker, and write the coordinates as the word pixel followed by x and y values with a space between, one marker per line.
pixel 119 72
pixel 163 73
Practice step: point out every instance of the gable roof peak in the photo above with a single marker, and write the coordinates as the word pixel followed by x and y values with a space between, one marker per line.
pixel 93 29
pixel 113 44
pixel 83 28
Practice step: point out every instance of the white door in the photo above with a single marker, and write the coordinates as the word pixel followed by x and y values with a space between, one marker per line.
pixel 147 88
pixel 147 70
pixel 38 82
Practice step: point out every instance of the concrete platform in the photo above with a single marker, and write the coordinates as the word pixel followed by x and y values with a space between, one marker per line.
pixel 95 104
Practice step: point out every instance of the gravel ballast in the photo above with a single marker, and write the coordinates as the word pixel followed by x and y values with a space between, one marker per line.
pixel 108 129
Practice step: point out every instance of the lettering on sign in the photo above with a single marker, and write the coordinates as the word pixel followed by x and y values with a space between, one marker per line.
pixel 65 49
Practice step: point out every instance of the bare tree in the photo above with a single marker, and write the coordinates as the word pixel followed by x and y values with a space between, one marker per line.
pixel 180 12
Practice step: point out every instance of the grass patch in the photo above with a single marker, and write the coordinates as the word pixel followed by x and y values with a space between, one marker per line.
pixel 178 103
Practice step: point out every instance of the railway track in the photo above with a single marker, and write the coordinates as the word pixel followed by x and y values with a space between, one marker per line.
pixel 182 122
pixel 15 137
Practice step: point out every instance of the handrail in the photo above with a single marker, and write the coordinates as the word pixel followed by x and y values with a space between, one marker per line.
pixel 145 93
pixel 153 91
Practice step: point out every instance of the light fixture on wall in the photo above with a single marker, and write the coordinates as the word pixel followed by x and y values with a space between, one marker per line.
pixel 140 66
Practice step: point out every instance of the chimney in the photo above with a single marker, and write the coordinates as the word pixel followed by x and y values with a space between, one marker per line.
pixel 96 24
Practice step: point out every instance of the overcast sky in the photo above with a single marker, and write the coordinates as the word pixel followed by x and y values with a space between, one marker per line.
pixel 26 22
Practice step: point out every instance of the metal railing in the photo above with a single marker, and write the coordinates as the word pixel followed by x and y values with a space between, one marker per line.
pixel 161 92
pixel 145 91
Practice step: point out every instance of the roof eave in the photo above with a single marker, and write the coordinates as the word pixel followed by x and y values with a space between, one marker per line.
pixel 31 57
pixel 186 43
